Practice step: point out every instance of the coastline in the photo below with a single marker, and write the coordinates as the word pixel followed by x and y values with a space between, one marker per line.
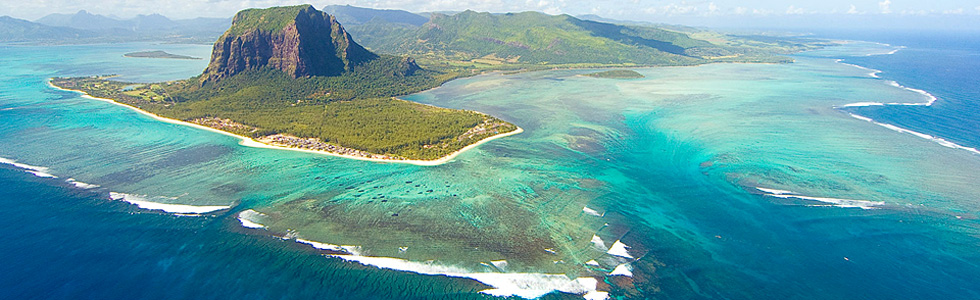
pixel 250 142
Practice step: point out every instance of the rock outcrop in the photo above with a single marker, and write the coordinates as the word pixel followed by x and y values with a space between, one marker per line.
pixel 299 40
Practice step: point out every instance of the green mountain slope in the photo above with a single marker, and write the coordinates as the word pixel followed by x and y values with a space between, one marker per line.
pixel 523 40
pixel 353 15
pixel 536 38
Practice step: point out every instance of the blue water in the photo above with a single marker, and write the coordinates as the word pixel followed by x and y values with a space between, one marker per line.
pixel 672 160
pixel 946 65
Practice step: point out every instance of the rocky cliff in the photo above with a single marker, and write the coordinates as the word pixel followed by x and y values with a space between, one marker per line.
pixel 298 40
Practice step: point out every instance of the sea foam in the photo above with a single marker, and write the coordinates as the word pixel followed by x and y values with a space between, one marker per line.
pixel 144 203
pixel 80 184
pixel 597 241
pixel 248 218
pixel 591 211
pixel 938 140
pixel 846 203
pixel 930 98
pixel 353 250
pixel 619 249
pixel 524 285
pixel 37 171
pixel 622 270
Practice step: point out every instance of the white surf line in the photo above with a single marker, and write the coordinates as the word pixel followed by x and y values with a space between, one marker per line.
pixel 938 140
pixel 504 284
pixel 37 171
pixel 248 219
pixel 931 100
pixel 524 285
pixel 249 142
pixel 844 203
pixel 874 72
pixel 80 184
pixel 143 203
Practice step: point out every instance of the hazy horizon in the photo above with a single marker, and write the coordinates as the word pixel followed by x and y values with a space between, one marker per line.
pixel 829 14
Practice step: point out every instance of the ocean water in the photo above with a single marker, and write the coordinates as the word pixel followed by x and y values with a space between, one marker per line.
pixel 734 181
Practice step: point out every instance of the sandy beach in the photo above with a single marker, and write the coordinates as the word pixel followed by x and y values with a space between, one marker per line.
pixel 249 142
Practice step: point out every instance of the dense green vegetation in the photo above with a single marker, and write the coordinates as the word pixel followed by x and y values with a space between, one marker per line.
pixel 618 74
pixel 265 19
pixel 354 110
pixel 532 40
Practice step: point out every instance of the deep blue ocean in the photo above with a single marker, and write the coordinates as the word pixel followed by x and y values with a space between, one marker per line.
pixel 63 242
pixel 946 64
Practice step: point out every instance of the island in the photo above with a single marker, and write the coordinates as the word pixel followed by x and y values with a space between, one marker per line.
pixel 317 91
pixel 158 54
pixel 616 74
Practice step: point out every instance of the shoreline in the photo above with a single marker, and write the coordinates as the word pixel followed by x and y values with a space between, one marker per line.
pixel 250 142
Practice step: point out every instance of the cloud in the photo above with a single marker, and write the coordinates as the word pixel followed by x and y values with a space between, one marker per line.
pixel 713 9
pixel 793 10
pixel 853 10
pixel 885 6
pixel 672 9
pixel 958 11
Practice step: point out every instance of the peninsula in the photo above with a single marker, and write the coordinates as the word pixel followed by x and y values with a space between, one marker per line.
pixel 158 54
pixel 616 74
pixel 292 77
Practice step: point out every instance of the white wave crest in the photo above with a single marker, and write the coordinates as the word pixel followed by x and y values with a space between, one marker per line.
pixel 622 270
pixel 863 104
pixel 144 203
pixel 873 72
pixel 619 249
pixel 930 98
pixel 37 171
pixel 524 285
pixel 845 203
pixel 938 140
pixel 354 250
pixel 774 191
pixel 249 219
pixel 597 241
pixel 591 211
pixel 80 184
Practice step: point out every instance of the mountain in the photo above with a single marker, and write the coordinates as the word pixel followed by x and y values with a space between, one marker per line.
pixel 152 22
pixel 352 15
pixel 153 27
pixel 293 77
pixel 17 30
pixel 298 40
pixel 82 20
pixel 537 38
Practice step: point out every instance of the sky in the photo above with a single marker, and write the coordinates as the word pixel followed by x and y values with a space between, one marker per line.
pixel 952 14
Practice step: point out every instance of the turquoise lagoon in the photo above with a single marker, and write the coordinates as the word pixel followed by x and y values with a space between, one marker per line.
pixel 737 181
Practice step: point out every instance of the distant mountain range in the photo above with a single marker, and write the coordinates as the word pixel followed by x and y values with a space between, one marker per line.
pixel 538 38
pixel 526 38
pixel 352 15
pixel 84 27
